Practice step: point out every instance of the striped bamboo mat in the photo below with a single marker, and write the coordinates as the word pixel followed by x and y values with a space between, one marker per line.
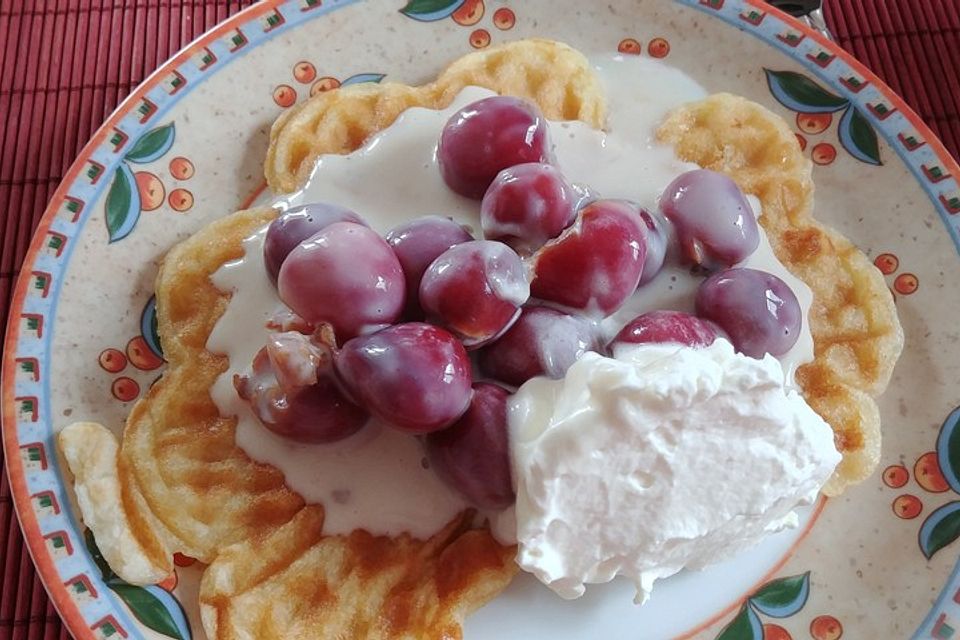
pixel 65 65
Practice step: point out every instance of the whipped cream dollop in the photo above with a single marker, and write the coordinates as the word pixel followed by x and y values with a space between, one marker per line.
pixel 661 458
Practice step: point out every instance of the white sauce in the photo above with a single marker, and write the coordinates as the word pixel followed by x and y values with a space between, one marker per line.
pixel 376 480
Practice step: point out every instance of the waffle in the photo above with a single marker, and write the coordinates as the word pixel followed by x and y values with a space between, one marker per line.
pixel 186 487
pixel 555 76
pixel 296 583
pixel 856 333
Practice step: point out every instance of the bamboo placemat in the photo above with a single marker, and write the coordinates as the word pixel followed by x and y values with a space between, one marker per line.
pixel 66 64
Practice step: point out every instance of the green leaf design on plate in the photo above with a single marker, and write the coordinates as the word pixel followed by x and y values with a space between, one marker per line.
pixel 363 77
pixel 858 137
pixel 152 144
pixel 746 626
pixel 948 449
pixel 783 597
pixel 147 608
pixel 430 10
pixel 123 204
pixel 799 93
pixel 106 573
pixel 149 328
pixel 940 529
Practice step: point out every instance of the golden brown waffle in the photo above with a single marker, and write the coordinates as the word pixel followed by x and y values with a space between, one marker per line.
pixel 856 333
pixel 555 76
pixel 296 583
pixel 190 487
pixel 186 486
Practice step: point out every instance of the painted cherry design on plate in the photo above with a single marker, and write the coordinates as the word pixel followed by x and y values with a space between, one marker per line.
pixel 887 263
pixel 906 283
pixel 480 39
pixel 826 628
pixel 181 168
pixel 775 632
pixel 896 476
pixel 823 153
pixel 813 123
pixel 907 507
pixel 125 389
pixel 928 474
pixel 141 356
pixel 658 48
pixel 504 19
pixel 326 83
pixel 151 190
pixel 180 200
pixel 112 360
pixel 304 72
pixel 630 46
pixel 284 95
pixel 469 14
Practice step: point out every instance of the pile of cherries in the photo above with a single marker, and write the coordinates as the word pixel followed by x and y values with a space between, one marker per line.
pixel 382 326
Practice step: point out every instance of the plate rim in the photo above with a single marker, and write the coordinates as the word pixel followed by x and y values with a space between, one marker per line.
pixel 66 607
